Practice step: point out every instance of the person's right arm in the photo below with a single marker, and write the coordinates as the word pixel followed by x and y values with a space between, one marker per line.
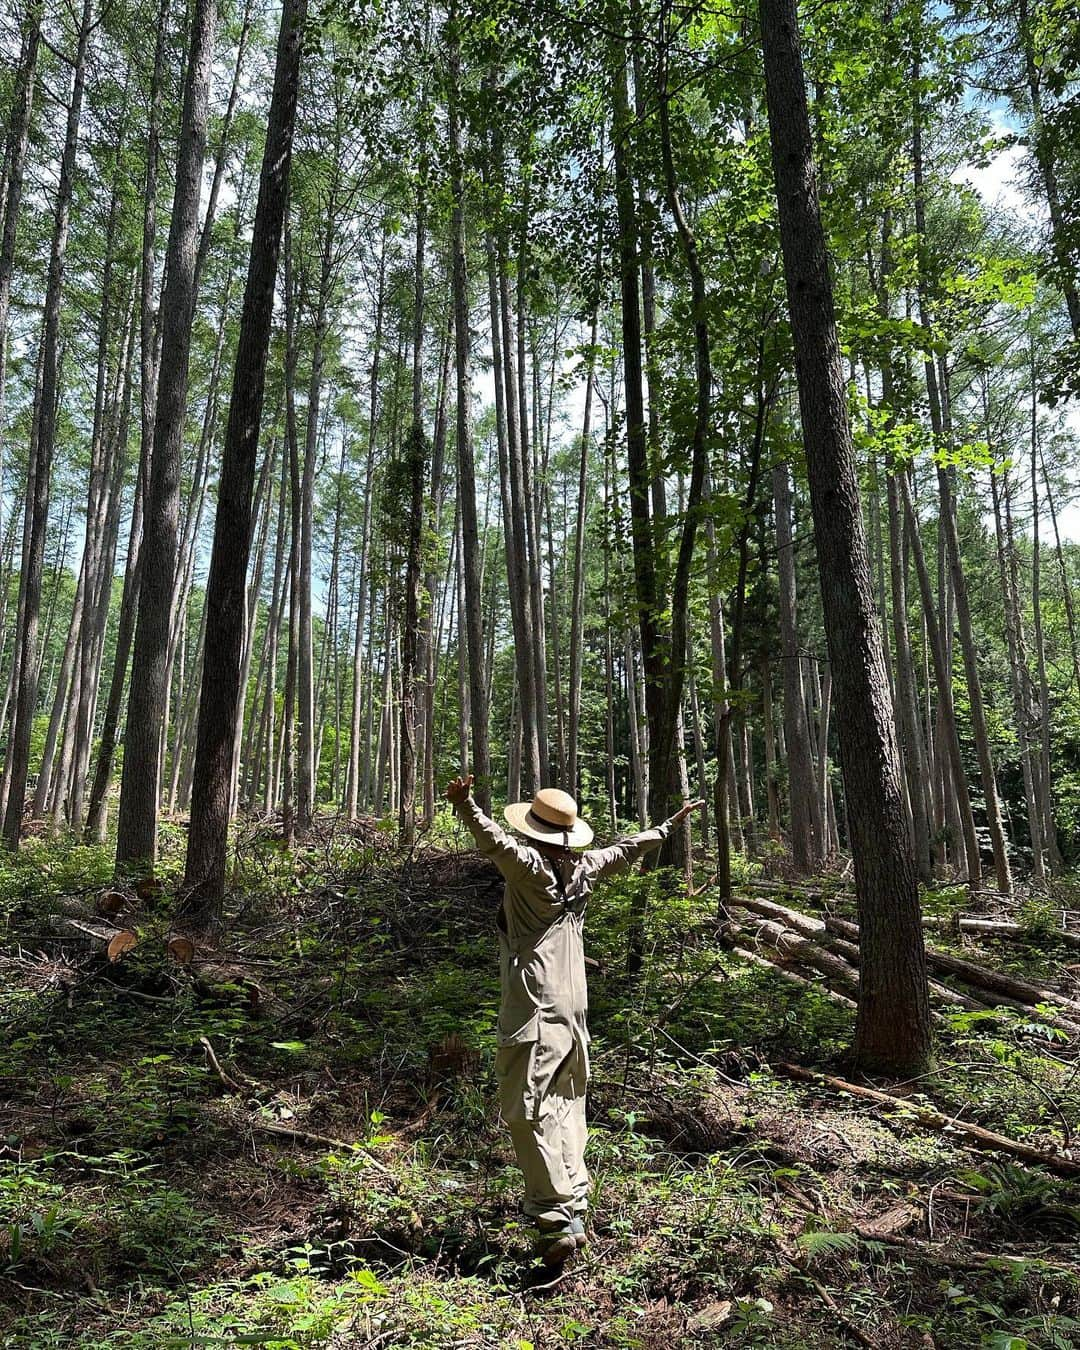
pixel 510 857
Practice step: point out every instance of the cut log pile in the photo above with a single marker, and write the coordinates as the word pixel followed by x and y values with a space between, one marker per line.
pixel 802 945
pixel 102 928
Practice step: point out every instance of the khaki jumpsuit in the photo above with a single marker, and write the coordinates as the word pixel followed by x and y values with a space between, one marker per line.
pixel 542 1062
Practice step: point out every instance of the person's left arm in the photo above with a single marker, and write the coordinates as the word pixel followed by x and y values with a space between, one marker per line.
pixel 617 857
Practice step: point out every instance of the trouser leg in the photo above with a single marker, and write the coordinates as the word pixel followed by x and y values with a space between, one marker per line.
pixel 549 1188
pixel 545 1111
pixel 574 1137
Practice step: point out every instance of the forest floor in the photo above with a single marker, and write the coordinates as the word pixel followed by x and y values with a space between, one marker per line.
pixel 295 1143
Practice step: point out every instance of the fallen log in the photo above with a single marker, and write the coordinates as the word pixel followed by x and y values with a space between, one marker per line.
pixel 793 977
pixel 974 1259
pixel 931 1117
pixel 103 938
pixel 1005 928
pixel 804 951
pixel 321 1141
pixel 818 930
pixel 1010 988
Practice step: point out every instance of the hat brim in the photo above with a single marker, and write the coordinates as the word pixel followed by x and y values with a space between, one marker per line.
pixel 520 817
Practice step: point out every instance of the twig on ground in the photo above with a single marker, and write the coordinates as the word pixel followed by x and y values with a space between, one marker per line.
pixel 320 1141
pixel 934 1119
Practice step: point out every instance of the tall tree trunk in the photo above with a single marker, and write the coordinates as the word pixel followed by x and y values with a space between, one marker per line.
pixel 531 492
pixel 1002 870
pixel 937 393
pixel 577 594
pixel 950 761
pixel 1053 854
pixel 466 467
pixel 148 360
pixel 39 479
pixel 292 437
pixel 680 589
pixel 806 850
pixel 431 636
pixel 136 839
pixel 355 725
pixel 416 453
pixel 22 104
pixel 1019 677
pixel 914 750
pixel 893 1024
pixel 510 434
pixel 226 596
pixel 641 527
pixel 523 727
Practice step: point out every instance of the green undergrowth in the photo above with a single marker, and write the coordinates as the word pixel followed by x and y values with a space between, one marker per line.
pixel 148 1197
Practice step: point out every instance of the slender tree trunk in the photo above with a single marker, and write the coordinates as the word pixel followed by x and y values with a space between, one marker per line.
pixel 1019 678
pixel 937 392
pixel 641 526
pixel 978 714
pixel 61 704
pixel 305 751
pixel 918 774
pixel 431 636
pixel 531 494
pixel 22 104
pixel 466 466
pixel 805 848
pixel 26 687
pixel 1066 588
pixel 136 840
pixel 354 774
pixel 950 760
pixel 263 732
pixel 416 453
pixel 1053 854
pixel 893 1024
pixel 577 596
pixel 262 510
pixel 510 433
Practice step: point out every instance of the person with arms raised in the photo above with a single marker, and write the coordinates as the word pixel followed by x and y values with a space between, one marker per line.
pixel 542 1062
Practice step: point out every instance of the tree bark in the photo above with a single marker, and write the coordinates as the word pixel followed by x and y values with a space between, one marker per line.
pixel 136 839
pixel 806 849
pixel 893 1024
pixel 22 104
pixel 470 544
pixel 39 480
pixel 416 454
pixel 225 590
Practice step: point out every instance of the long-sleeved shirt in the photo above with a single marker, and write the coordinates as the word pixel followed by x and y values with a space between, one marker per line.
pixel 541 949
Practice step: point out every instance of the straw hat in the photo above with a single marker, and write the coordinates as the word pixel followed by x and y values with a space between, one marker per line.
pixel 551 817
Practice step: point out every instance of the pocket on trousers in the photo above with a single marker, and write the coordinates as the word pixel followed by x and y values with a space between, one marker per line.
pixel 524 1031
pixel 515 1070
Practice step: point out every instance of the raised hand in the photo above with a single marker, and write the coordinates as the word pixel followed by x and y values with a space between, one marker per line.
pixel 687 809
pixel 457 790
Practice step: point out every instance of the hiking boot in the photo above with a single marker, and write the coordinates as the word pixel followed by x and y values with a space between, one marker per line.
pixel 559 1249
pixel 555 1246
pixel 577 1228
